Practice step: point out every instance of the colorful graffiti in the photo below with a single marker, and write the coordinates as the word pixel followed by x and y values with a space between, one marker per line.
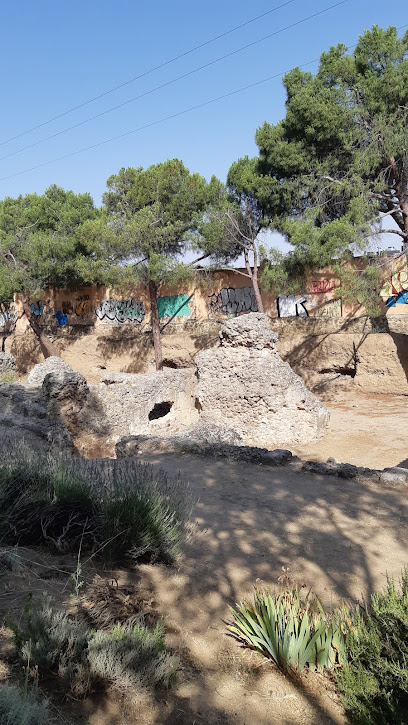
pixel 62 319
pixel 395 289
pixel 37 309
pixel 8 315
pixel 174 306
pixel 320 286
pixel 290 306
pixel 121 311
pixel 232 301
pixel 67 308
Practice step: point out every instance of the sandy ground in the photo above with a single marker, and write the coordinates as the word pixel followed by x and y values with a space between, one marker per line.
pixel 336 536
pixel 365 429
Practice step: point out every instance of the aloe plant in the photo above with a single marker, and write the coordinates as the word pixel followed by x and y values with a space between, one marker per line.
pixel 291 632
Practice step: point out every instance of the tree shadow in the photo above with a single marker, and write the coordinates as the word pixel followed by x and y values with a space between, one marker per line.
pixel 121 341
pixel 337 536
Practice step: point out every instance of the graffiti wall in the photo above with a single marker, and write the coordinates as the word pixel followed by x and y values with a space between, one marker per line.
pixel 232 301
pixel 120 311
pixel 395 290
pixel 175 306
pixel 220 294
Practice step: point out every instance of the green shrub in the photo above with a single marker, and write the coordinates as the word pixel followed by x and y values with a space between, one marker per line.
pixel 8 376
pixel 118 508
pixel 131 657
pixel 374 681
pixel 20 708
pixel 291 632
pixel 54 643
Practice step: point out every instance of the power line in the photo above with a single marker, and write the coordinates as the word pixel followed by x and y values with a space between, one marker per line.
pixel 151 70
pixel 156 123
pixel 173 80
pixel 166 118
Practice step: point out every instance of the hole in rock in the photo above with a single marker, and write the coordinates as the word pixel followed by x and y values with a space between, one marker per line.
pixel 170 364
pixel 340 371
pixel 160 410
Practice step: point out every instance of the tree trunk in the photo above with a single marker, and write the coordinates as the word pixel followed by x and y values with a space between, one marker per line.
pixel 253 274
pixel 155 325
pixel 47 346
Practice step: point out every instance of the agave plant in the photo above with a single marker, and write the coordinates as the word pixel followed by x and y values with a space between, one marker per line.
pixel 291 632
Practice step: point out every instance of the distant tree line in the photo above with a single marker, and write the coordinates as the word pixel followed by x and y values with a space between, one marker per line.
pixel 325 177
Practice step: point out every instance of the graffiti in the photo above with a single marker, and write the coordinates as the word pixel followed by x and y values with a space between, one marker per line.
pixel 61 319
pixel 67 308
pixel 82 306
pixel 121 310
pixel 38 309
pixel 174 306
pixel 8 316
pixel 232 301
pixel 400 299
pixel 319 286
pixel 395 289
pixel 289 306
pixel 332 308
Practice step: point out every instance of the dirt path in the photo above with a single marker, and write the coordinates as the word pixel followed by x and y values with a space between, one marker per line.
pixel 339 537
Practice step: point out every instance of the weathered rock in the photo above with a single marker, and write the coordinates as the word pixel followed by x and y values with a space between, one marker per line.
pixel 155 403
pixel 245 386
pixel 7 362
pixel 72 403
pixel 51 364
pixel 132 446
pixel 394 475
pixel 23 417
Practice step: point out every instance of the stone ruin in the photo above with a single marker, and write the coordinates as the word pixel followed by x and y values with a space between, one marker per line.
pixel 240 394
pixel 243 384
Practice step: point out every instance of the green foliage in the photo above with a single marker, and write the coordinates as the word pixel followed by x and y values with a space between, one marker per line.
pixel 337 161
pixel 121 510
pixel 131 657
pixel 20 708
pixel 53 643
pixel 8 376
pixel 374 679
pixel 291 632
pixel 40 241
pixel 153 212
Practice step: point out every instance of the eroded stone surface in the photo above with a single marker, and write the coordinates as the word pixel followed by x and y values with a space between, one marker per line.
pixel 51 364
pixel 154 403
pixel 244 385
pixel 7 362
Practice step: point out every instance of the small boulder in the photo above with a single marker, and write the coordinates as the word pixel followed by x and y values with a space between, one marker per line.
pixel 7 363
pixel 53 364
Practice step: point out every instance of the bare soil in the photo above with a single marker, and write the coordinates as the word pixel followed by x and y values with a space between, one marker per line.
pixel 366 429
pixel 251 522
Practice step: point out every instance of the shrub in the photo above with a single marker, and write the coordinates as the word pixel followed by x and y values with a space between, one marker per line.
pixel 52 642
pixel 20 708
pixel 131 657
pixel 291 632
pixel 374 681
pixel 118 508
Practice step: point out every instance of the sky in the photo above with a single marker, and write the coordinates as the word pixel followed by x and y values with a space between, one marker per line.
pixel 56 56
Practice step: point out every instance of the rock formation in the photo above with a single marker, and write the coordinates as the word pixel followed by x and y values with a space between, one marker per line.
pixel 51 364
pixel 244 385
pixel 7 363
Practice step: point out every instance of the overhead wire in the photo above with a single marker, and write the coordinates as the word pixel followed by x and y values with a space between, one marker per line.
pixel 166 118
pixel 173 80
pixel 151 70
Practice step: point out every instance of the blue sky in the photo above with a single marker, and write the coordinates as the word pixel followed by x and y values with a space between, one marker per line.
pixel 58 55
